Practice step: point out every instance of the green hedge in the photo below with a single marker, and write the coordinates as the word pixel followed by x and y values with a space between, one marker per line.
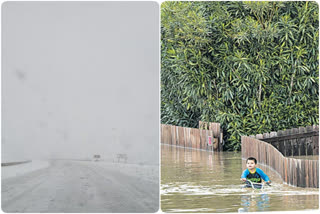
pixel 252 66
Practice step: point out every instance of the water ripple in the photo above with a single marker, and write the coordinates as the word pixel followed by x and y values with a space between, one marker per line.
pixel 192 189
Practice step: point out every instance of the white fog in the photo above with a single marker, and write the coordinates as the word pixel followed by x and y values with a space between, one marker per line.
pixel 77 77
pixel 80 79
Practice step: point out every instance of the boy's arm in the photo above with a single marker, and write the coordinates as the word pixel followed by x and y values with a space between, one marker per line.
pixel 263 175
pixel 245 173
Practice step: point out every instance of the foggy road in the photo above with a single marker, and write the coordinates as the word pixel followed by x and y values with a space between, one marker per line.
pixel 79 186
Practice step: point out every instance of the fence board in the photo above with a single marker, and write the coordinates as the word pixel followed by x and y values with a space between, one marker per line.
pixel 309 150
pixel 315 141
pixel 277 143
pixel 317 174
pixel 288 143
pixel 310 165
pixel 294 142
pixel 303 173
pixel 302 142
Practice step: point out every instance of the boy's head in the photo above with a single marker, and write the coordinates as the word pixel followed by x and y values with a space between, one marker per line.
pixel 251 163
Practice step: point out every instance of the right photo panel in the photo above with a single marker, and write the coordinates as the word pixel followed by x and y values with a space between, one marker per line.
pixel 239 106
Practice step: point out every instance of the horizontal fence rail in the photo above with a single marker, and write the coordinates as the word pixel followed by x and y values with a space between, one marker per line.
pixel 189 137
pixel 295 172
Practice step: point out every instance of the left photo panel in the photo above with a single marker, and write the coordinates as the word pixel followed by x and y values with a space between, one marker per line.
pixel 80 107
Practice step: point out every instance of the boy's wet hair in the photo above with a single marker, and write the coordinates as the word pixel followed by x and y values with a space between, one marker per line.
pixel 252 158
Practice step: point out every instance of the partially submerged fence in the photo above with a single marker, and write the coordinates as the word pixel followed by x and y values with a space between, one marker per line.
pixel 216 132
pixel 294 142
pixel 202 138
pixel 296 172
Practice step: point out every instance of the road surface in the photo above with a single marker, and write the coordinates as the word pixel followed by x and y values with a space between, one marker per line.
pixel 79 186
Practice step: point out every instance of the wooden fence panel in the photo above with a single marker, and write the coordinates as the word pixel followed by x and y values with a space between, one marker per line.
pixel 215 133
pixel 186 137
pixel 294 142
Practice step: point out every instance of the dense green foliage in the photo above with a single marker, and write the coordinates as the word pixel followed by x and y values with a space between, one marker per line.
pixel 251 66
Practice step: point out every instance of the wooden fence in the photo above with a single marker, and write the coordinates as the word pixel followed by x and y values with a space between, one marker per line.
pixel 296 172
pixel 294 142
pixel 191 137
pixel 216 132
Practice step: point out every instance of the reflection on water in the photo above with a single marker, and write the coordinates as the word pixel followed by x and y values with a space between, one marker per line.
pixel 201 181
pixel 260 202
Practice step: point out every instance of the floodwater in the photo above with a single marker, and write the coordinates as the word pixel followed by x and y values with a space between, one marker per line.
pixel 202 181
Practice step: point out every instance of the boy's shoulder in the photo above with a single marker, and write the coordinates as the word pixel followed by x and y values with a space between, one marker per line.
pixel 246 170
pixel 258 170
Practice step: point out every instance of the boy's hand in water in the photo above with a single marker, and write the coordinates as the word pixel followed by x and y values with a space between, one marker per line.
pixel 268 183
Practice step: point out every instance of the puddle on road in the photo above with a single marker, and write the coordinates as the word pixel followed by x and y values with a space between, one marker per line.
pixel 201 181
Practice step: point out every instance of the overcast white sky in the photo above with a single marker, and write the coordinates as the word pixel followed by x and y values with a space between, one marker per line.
pixel 80 78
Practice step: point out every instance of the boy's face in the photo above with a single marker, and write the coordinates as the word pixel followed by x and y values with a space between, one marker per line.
pixel 250 164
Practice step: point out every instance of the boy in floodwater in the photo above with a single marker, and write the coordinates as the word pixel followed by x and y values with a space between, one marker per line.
pixel 254 174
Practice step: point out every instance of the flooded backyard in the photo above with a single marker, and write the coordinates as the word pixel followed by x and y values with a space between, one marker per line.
pixel 202 181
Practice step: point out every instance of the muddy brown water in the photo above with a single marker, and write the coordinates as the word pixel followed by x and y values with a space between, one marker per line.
pixel 202 181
